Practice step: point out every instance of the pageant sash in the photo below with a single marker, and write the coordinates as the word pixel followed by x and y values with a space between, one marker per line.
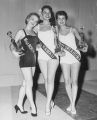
pixel 30 47
pixel 47 50
pixel 72 51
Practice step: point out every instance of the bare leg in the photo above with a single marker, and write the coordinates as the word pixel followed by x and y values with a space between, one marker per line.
pixel 66 74
pixel 27 72
pixel 43 68
pixel 48 70
pixel 74 77
pixel 21 96
pixel 52 66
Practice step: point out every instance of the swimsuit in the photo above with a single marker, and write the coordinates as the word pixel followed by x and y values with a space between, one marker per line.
pixel 28 59
pixel 47 37
pixel 69 40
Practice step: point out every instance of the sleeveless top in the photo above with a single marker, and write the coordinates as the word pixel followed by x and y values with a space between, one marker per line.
pixel 69 40
pixel 47 37
pixel 28 59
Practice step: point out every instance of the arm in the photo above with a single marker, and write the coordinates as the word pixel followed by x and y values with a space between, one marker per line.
pixel 82 46
pixel 76 34
pixel 36 28
pixel 18 37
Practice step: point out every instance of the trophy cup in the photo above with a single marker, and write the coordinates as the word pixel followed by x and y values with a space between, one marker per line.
pixel 16 46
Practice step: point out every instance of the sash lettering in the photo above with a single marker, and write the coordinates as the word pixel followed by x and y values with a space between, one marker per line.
pixel 69 49
pixel 47 50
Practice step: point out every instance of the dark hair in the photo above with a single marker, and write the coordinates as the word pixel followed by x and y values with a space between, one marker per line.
pixel 63 13
pixel 31 14
pixel 52 19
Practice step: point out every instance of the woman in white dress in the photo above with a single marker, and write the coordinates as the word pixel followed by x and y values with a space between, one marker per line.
pixel 48 63
pixel 70 63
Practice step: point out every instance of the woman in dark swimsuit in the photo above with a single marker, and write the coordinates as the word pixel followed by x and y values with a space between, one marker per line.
pixel 27 61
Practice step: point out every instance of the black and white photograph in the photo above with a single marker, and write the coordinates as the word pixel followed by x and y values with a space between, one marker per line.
pixel 48 60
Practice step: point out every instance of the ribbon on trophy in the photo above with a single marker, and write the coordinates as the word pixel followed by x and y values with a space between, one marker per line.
pixel 15 46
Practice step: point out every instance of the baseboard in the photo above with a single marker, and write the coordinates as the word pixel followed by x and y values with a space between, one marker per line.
pixel 16 79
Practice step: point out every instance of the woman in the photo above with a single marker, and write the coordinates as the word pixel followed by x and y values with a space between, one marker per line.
pixel 48 61
pixel 27 61
pixel 70 62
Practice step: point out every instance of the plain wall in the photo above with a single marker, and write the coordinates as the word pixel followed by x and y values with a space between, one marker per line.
pixel 13 13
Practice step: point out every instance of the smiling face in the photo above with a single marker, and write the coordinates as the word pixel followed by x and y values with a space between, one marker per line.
pixel 61 20
pixel 33 21
pixel 46 14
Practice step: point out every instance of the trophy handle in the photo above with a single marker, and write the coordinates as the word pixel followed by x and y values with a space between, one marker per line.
pixel 9 33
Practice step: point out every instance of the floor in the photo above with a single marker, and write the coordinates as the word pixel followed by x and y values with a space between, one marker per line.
pixel 86 103
pixel 8 98
pixel 90 86
pixel 9 95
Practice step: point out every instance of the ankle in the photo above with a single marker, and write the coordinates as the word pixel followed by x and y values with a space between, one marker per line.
pixel 33 109
pixel 21 107
pixel 73 108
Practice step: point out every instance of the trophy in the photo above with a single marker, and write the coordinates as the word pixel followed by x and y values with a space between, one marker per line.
pixel 82 46
pixel 59 50
pixel 16 46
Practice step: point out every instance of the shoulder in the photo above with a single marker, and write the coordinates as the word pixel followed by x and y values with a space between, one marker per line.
pixel 41 24
pixel 54 28
pixel 74 30
pixel 36 28
pixel 19 35
pixel 20 32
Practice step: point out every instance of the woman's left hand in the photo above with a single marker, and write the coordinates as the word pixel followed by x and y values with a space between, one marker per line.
pixel 85 48
pixel 38 46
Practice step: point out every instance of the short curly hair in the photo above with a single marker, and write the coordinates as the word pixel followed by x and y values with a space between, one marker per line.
pixel 61 13
pixel 31 14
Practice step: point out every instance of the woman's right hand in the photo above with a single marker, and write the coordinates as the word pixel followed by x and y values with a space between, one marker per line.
pixel 17 54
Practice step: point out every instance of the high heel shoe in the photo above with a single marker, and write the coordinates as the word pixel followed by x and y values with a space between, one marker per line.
pixel 69 108
pixel 48 112
pixel 52 104
pixel 33 114
pixel 73 112
pixel 17 108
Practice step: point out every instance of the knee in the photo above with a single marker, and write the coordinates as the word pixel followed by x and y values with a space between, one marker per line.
pixel 74 82
pixel 67 82
pixel 50 81
pixel 51 78
pixel 29 85
pixel 45 80
pixel 23 84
